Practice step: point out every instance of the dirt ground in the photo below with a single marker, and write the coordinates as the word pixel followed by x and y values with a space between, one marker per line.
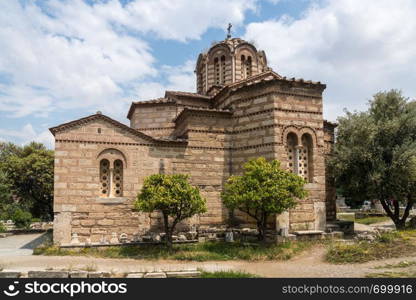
pixel 15 255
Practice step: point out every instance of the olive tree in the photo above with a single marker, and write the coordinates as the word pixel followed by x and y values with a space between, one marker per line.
pixel 173 196
pixel 264 189
pixel 375 155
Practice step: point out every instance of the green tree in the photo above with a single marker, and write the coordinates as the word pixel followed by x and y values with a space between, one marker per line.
pixel 5 195
pixel 375 154
pixel 173 196
pixel 263 190
pixel 29 172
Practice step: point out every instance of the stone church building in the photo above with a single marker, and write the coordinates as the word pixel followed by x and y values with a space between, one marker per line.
pixel 241 109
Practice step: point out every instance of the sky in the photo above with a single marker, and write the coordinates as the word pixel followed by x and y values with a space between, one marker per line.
pixel 63 60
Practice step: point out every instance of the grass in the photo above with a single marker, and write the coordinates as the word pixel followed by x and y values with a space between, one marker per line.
pixel 390 274
pixel 372 220
pixel 365 221
pixel 227 274
pixel 402 264
pixel 387 245
pixel 188 252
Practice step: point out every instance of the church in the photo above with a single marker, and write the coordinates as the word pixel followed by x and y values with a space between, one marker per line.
pixel 241 109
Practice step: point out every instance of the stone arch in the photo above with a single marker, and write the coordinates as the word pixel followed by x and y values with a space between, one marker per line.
pixel 112 154
pixel 311 132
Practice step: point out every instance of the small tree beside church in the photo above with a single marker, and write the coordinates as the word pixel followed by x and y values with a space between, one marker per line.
pixel 264 189
pixel 174 197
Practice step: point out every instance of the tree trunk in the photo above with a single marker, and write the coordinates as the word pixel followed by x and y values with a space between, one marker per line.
pixel 260 229
pixel 400 223
pixel 168 231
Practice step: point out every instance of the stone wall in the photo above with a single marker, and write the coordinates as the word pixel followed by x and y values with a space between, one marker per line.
pixel 77 203
pixel 247 123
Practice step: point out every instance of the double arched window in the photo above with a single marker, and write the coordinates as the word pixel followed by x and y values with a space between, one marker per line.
pixel 300 156
pixel 111 177
pixel 219 70
pixel 246 67
pixel 111 173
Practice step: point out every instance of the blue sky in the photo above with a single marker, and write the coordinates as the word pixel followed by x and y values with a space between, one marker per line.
pixel 62 60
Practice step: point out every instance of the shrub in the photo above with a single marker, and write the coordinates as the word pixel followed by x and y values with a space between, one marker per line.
pixel 21 218
pixel 2 227
pixel 263 190
pixel 173 196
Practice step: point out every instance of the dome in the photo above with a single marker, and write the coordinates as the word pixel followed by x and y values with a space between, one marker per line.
pixel 228 61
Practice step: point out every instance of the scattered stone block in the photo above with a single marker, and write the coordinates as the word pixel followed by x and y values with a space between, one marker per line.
pixel 284 239
pixel 309 234
pixel 155 275
pixel 78 274
pixel 9 274
pixel 48 274
pixel 99 275
pixel 183 274
pixel 95 275
pixel 135 275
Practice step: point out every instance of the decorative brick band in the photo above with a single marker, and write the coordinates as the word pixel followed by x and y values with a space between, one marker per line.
pixel 155 128
pixel 270 93
pixel 277 109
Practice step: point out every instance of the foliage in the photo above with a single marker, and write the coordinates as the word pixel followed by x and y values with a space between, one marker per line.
pixel 375 154
pixel 29 177
pixel 387 245
pixel 173 196
pixel 5 194
pixel 21 218
pixel 207 251
pixel 264 189
pixel 2 227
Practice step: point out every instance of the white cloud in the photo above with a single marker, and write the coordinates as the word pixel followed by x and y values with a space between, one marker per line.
pixel 176 78
pixel 356 47
pixel 27 134
pixel 60 55
pixel 180 19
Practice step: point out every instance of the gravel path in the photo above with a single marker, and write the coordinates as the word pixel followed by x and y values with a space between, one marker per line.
pixel 20 244
pixel 15 254
pixel 309 264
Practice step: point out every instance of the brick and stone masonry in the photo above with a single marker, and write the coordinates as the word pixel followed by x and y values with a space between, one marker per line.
pixel 242 110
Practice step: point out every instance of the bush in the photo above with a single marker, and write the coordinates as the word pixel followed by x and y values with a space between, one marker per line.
pixel 21 218
pixel 2 227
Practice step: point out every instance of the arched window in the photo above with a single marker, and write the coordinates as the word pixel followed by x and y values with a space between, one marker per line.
pixel 248 67
pixel 292 153
pixel 112 163
pixel 223 69
pixel 243 69
pixel 117 186
pixel 104 178
pixel 306 158
pixel 217 70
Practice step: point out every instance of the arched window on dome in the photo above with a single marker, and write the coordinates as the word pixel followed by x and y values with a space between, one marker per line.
pixel 217 70
pixel 223 69
pixel 248 67
pixel 243 69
